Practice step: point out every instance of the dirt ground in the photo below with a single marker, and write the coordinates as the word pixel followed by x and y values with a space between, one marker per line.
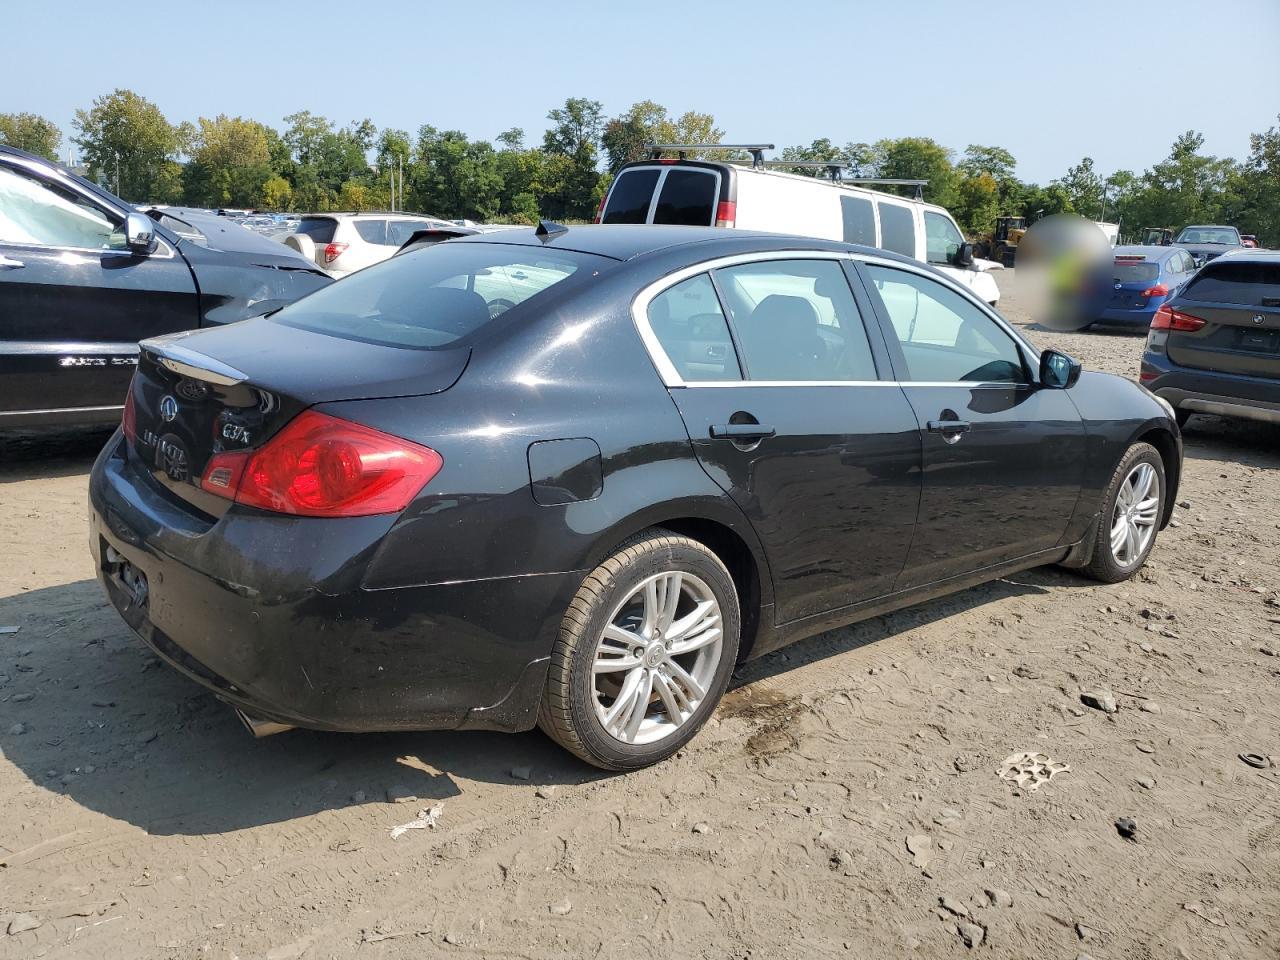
pixel 844 802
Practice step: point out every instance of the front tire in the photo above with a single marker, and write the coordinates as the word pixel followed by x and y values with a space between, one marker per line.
pixel 644 654
pixel 1131 512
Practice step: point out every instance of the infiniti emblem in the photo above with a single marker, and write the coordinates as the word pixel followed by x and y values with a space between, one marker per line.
pixel 171 458
pixel 168 408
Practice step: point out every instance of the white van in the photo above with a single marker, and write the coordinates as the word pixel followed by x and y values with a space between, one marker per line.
pixel 707 193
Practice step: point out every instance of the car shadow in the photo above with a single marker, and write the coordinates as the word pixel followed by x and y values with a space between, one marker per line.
pixel 50 453
pixel 86 711
pixel 844 639
pixel 1228 440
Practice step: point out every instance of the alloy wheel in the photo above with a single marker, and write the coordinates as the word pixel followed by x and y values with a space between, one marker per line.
pixel 1136 512
pixel 657 657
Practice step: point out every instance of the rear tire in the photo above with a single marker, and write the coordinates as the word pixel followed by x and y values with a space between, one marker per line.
pixel 619 694
pixel 1131 512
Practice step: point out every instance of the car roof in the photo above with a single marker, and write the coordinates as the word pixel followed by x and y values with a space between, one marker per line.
pixel 1150 251
pixel 627 241
pixel 1247 255
pixel 1209 226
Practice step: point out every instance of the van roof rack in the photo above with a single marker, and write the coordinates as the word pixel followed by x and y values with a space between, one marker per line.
pixel 835 170
pixel 756 150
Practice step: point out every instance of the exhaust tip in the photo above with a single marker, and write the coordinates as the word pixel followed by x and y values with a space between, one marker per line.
pixel 259 727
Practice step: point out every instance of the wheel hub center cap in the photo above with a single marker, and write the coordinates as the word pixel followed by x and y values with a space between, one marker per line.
pixel 655 655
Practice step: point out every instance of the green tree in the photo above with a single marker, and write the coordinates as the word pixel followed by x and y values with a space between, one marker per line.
pixel 230 162
pixel 127 142
pixel 1259 188
pixel 918 158
pixel 821 150
pixel 570 181
pixel 1084 188
pixel 30 132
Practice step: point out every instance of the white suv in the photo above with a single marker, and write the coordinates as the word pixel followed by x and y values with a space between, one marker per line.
pixel 345 242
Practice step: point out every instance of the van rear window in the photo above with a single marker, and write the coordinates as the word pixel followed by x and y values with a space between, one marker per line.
pixel 629 200
pixel 688 197
pixel 897 229
pixel 1250 284
pixel 859 220
pixel 319 229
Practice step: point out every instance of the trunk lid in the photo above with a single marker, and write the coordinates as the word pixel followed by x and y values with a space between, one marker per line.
pixel 1240 304
pixel 232 388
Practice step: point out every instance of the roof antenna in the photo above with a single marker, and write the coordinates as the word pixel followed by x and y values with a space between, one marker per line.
pixel 547 229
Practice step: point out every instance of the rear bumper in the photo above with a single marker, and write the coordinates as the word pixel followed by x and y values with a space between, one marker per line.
pixel 1129 318
pixel 1207 391
pixel 269 613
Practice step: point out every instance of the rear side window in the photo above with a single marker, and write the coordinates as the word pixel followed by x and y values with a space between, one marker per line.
pixel 897 229
pixel 1250 284
pixel 630 197
pixel 859 220
pixel 372 231
pixel 1135 271
pixel 796 320
pixel 429 298
pixel 319 229
pixel 688 322
pixel 688 197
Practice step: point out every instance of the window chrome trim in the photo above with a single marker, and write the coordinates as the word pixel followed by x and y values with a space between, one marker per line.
pixel 671 377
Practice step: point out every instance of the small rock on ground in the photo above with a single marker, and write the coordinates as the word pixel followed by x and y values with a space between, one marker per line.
pixel 560 909
pixel 521 773
pixel 971 934
pixel 702 827
pixel 999 898
pixel 399 793
pixel 1103 700
pixel 22 922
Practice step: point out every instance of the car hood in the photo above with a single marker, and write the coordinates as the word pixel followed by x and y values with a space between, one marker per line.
pixel 242 275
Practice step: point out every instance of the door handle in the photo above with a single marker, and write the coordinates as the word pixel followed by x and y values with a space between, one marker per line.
pixel 10 263
pixel 951 430
pixel 741 431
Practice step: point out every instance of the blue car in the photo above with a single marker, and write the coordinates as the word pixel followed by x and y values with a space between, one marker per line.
pixel 1141 279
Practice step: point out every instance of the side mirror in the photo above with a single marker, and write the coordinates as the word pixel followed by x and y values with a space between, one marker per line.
pixel 1058 371
pixel 963 257
pixel 139 234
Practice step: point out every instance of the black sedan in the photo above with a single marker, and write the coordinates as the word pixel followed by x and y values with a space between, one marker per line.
pixel 84 277
pixel 571 477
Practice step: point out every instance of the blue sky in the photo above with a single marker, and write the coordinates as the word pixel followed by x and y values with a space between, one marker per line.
pixel 1050 81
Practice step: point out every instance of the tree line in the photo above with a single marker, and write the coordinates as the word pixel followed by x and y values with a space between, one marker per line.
pixel 313 164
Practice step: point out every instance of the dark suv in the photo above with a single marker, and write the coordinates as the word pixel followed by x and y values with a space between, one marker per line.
pixel 1215 346
pixel 84 276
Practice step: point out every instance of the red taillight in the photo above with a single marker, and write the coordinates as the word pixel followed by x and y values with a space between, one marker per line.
pixel 600 209
pixel 726 213
pixel 129 420
pixel 1159 290
pixel 1167 318
pixel 332 251
pixel 320 466
pixel 1146 376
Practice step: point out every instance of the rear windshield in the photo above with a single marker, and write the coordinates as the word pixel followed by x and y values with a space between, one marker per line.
pixel 630 197
pixel 1209 235
pixel 1134 271
pixel 319 229
pixel 427 299
pixel 688 197
pixel 1251 284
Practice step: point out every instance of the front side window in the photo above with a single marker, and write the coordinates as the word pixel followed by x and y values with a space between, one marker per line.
pixel 942 238
pixel 796 320
pixel 688 322
pixel 37 212
pixel 630 197
pixel 944 336
pixel 897 229
pixel 688 197
pixel 430 298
